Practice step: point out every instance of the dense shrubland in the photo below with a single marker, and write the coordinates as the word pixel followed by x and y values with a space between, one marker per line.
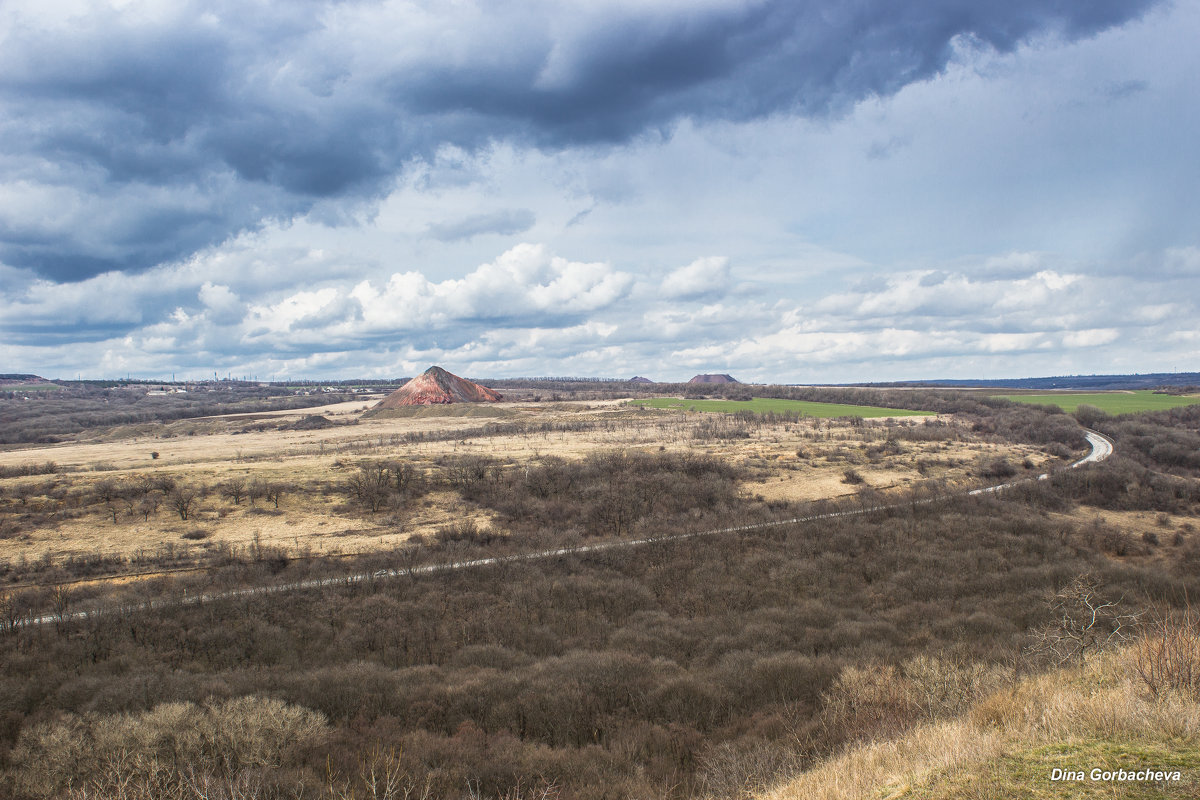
pixel 1168 441
pixel 664 670
pixel 672 669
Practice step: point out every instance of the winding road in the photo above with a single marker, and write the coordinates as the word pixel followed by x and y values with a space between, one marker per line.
pixel 1102 448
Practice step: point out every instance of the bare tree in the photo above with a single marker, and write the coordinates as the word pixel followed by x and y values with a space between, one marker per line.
pixel 1085 622
pixel 381 776
pixel 60 601
pixel 23 492
pixel 403 475
pixel 469 474
pixel 411 557
pixel 183 500
pixel 107 491
pixel 147 506
pixel 275 492
pixel 10 612
pixel 371 485
pixel 256 489
pixel 234 489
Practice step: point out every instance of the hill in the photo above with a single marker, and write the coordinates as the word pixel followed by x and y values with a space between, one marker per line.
pixel 436 386
pixel 1117 725
pixel 722 378
pixel 11 378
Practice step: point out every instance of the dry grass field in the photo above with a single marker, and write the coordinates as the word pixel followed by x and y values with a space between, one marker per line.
pixel 805 460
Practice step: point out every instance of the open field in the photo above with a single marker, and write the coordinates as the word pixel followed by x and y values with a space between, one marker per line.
pixel 761 405
pixel 800 461
pixel 1109 402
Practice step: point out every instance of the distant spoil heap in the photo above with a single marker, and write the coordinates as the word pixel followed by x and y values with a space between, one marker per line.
pixel 436 386
pixel 713 379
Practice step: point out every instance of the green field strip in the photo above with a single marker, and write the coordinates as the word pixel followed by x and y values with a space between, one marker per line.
pixel 1108 402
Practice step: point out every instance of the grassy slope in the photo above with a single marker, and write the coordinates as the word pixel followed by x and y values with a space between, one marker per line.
pixel 1082 718
pixel 763 404
pixel 1109 402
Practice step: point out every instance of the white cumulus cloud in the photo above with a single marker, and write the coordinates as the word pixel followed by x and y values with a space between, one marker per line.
pixel 703 277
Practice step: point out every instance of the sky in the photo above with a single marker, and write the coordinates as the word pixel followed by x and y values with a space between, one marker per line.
pixel 809 191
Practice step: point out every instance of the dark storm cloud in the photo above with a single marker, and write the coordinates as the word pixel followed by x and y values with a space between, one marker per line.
pixel 139 138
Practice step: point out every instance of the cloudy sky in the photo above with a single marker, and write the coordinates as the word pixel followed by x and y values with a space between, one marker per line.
pixel 793 191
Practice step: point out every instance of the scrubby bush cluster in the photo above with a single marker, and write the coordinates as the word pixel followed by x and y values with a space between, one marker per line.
pixel 664 670
pixel 609 493
pixel 1163 440
pixel 24 470
pixel 380 484
pixel 173 750
pixel 606 493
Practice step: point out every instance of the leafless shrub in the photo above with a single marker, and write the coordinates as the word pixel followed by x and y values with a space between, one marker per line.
pixel 943 686
pixel 256 489
pixel 865 702
pixel 175 750
pixel 22 470
pixel 381 776
pixel 744 769
pixel 1167 654
pixel 998 468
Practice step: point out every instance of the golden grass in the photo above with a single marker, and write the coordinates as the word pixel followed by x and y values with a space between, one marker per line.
pixel 1097 715
pixel 889 769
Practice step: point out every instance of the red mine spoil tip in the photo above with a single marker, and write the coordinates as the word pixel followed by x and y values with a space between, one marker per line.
pixel 436 386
